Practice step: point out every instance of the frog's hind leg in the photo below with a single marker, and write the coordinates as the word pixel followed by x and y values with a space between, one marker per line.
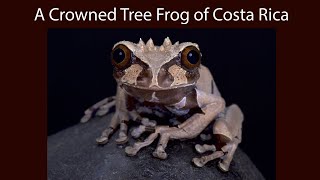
pixel 100 108
pixel 230 127
pixel 227 129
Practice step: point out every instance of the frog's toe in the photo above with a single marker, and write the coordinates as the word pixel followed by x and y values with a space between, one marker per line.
pixel 200 149
pixel 102 140
pixel 223 166
pixel 161 154
pixel 122 139
pixel 102 112
pixel 198 162
pixel 85 118
pixel 131 151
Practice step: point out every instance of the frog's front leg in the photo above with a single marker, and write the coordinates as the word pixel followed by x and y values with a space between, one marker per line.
pixel 210 105
pixel 121 117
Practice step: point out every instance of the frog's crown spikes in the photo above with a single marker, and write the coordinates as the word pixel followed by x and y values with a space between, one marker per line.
pixel 149 46
pixel 141 43
pixel 167 42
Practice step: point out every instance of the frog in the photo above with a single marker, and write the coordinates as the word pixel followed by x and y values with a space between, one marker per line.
pixel 172 96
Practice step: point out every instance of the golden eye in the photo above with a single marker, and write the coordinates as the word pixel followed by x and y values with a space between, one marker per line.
pixel 190 57
pixel 121 56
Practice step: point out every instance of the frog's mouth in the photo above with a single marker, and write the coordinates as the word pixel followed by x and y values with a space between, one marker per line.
pixel 157 88
pixel 156 94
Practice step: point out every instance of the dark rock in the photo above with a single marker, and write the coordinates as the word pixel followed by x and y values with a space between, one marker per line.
pixel 73 154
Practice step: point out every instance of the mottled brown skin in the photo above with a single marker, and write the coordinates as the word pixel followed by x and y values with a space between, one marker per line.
pixel 168 82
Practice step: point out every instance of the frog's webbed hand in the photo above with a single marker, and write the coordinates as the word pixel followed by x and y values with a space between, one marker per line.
pixel 146 126
pixel 210 105
pixel 121 117
pixel 100 108
pixel 132 150
pixel 228 129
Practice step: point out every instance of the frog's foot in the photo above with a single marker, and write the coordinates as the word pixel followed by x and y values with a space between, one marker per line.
pixel 229 151
pixel 133 150
pixel 160 153
pixel 123 137
pixel 204 148
pixel 200 162
pixel 101 108
pixel 103 139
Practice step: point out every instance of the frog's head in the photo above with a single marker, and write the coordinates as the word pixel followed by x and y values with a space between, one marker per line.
pixel 150 67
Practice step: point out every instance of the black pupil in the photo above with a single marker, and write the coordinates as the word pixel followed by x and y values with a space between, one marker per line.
pixel 118 55
pixel 193 57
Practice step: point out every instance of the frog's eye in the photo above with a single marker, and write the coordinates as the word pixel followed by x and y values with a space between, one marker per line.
pixel 121 56
pixel 190 57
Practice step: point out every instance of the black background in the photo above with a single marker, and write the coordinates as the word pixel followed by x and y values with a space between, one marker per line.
pixel 242 62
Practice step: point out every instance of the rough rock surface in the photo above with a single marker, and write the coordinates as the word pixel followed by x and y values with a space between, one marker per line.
pixel 73 154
